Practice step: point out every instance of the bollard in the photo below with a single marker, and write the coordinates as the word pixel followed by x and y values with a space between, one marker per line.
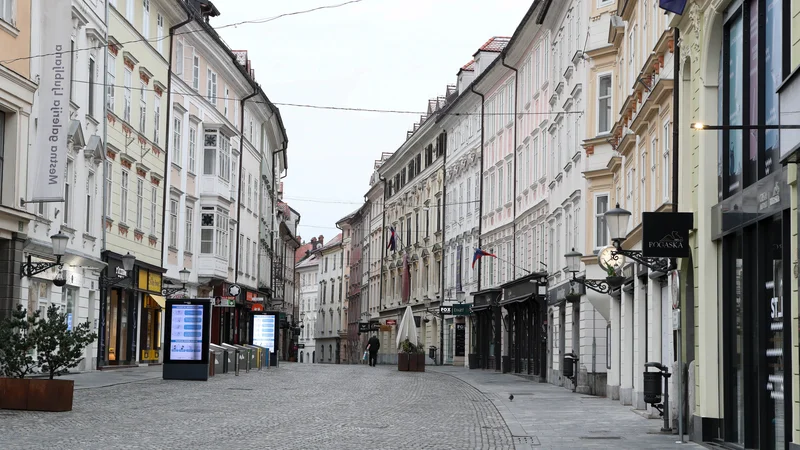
pixel 236 362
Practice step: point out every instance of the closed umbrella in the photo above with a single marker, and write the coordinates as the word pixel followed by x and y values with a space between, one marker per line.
pixel 407 329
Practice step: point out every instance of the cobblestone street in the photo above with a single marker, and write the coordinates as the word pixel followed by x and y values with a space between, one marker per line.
pixel 322 407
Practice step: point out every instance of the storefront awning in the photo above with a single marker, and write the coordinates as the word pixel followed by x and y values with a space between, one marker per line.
pixel 162 302
pixel 517 299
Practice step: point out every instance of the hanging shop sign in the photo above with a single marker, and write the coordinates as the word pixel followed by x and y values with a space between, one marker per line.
pixel 391 322
pixel 226 302
pixel 462 309
pixel 666 234
pixel 445 310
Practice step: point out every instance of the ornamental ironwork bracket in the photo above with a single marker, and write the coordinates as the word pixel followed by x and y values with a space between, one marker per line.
pixel 655 264
pixel 600 286
pixel 31 268
pixel 106 282
pixel 166 292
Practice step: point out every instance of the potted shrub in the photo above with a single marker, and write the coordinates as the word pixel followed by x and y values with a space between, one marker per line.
pixel 411 357
pixel 58 349
pixel 16 357
pixel 613 280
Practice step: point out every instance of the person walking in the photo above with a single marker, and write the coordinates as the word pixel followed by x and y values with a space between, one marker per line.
pixel 373 345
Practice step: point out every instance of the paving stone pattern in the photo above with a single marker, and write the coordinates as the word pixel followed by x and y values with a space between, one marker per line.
pixel 295 406
pixel 544 416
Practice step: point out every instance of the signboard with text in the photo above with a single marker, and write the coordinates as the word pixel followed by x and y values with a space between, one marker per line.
pixel 187 337
pixel 666 234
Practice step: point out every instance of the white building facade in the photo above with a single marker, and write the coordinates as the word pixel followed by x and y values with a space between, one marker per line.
pixel 331 301
pixel 462 123
pixel 307 273
pixel 78 216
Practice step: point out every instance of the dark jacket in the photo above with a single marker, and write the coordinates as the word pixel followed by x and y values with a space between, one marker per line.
pixel 374 344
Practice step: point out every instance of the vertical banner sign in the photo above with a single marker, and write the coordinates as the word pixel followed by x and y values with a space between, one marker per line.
pixel 49 152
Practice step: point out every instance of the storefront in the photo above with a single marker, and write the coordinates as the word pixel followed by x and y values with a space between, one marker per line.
pixel 123 331
pixel 486 326
pixel 564 302
pixel 150 324
pixel 525 350
pixel 752 224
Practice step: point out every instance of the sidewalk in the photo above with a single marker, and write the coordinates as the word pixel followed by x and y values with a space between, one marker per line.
pixel 546 416
pixel 105 378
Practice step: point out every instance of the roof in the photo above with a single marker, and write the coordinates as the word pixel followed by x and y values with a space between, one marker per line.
pixel 309 262
pixel 333 242
pixel 495 44
pixel 470 66
pixel 301 252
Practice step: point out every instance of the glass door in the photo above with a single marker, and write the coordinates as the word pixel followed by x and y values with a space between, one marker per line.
pixel 772 312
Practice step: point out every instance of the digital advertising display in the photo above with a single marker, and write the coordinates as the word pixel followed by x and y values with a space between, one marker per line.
pixel 186 333
pixel 264 328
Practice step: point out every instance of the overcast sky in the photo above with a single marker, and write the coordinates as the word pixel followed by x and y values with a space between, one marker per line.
pixel 381 54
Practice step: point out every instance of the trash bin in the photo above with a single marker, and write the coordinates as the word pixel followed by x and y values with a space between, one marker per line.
pixel 244 358
pixel 570 360
pixel 219 359
pixel 235 363
pixel 255 356
pixel 212 356
pixel 652 387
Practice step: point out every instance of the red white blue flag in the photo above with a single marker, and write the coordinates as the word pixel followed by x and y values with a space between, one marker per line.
pixel 673 6
pixel 392 245
pixel 479 254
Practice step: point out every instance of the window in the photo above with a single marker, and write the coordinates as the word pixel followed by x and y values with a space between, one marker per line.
pixel 665 173
pixel 173 223
pixel 142 108
pixel 146 19
pixel 249 190
pixel 109 183
pixel 177 126
pixel 225 105
pixel 196 72
pixel 604 104
pixel 224 158
pixel 500 186
pixel 7 11
pixel 632 57
pixel 535 161
pixel 604 3
pixel 207 230
pixel 112 79
pixel 126 80
pixel 211 87
pixel 123 197
pixel 91 86
pixel 255 260
pixel 90 189
pixel 139 202
pixel 247 257
pixel 156 118
pixel 210 154
pixel 241 253
pixel 408 234
pixel 222 233
pixel 551 263
pixel 68 188
pixel 509 183
pixel 192 147
pixel 74 56
pixel 179 57
pixel 601 231
pixel 438 214
pixel 188 222
pixel 654 162
pixel 154 213
pixel 160 32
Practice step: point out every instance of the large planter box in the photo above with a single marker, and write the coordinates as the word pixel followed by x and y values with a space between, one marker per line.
pixel 36 394
pixel 411 362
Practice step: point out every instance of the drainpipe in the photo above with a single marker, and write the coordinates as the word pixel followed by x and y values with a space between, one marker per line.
pixel 444 226
pixel 514 156
pixel 383 241
pixel 101 320
pixel 675 160
pixel 167 130
pixel 480 180
pixel 239 184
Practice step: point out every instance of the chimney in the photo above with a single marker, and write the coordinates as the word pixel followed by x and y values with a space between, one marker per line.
pixel 321 240
pixel 313 243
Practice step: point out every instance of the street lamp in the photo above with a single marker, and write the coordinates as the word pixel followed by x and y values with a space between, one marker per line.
pixel 127 264
pixel 184 276
pixel 59 242
pixel 617 223
pixel 574 266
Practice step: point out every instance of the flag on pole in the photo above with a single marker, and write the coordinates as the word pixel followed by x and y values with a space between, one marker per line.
pixel 392 245
pixel 478 254
pixel 673 6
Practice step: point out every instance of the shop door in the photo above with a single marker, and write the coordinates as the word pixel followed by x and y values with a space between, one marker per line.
pixel 117 314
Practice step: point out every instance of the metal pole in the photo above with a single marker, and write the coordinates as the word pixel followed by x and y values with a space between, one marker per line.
pixel 667 426
pixel 679 376
pixel 675 174
pixel 441 340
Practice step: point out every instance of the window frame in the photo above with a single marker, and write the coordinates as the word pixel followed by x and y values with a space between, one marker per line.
pixel 600 98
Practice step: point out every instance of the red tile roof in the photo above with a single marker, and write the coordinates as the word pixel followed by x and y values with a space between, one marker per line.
pixel 300 253
pixel 495 44
pixel 469 66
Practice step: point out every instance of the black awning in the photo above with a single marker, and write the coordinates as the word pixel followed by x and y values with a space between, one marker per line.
pixel 517 299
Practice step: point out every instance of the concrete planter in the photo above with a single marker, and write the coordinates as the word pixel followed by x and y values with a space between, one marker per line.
pixel 36 394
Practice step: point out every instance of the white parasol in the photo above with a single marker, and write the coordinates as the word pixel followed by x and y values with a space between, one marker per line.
pixel 407 329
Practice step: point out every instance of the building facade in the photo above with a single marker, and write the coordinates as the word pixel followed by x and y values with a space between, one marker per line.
pixel 307 272
pixel 331 301
pixel 135 166
pixel 414 204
